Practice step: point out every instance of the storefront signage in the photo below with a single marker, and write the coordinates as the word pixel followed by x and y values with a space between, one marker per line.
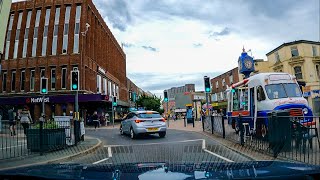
pixel 37 100
pixel 199 97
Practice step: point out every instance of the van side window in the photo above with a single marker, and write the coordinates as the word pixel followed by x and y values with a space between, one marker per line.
pixel 260 94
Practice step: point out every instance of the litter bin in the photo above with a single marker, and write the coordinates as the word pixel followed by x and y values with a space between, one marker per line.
pixel 279 131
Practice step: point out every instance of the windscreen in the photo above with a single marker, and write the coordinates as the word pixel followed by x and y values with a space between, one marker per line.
pixel 149 115
pixel 277 91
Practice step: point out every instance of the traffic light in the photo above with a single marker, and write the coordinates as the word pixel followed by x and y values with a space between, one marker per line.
pixel 75 80
pixel 207 84
pixel 44 86
pixel 166 96
pixel 114 101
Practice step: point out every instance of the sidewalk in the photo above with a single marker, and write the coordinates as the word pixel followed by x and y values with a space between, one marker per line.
pixel 179 125
pixel 88 145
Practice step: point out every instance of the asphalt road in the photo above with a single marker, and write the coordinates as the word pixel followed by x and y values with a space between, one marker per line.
pixel 177 147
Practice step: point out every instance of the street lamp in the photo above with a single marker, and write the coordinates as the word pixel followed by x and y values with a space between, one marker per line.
pixel 84 34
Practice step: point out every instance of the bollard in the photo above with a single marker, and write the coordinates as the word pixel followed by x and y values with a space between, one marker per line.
pixel 223 129
pixel 241 130
pixel 211 124
pixel 41 136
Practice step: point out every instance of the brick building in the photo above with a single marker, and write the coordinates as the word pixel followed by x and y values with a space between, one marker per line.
pixel 50 38
pixel 219 85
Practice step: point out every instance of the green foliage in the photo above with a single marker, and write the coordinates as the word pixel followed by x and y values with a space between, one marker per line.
pixel 48 125
pixel 150 103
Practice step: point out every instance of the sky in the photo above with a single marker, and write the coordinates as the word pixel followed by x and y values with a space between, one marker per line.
pixel 173 42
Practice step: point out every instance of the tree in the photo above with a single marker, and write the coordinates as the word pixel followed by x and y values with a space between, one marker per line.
pixel 150 103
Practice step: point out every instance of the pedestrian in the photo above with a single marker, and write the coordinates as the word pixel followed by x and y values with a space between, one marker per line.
pixel 25 119
pixel 12 121
pixel 95 119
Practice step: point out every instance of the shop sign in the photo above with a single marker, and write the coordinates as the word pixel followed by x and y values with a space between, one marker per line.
pixel 315 93
pixel 37 100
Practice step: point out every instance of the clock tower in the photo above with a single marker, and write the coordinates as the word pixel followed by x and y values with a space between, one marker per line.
pixel 245 63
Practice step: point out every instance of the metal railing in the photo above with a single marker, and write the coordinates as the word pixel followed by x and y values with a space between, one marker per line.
pixel 285 137
pixel 18 139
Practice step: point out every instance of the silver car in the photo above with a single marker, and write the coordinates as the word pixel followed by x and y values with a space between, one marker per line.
pixel 143 122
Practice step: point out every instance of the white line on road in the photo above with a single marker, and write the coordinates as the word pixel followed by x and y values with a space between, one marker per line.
pixel 217 155
pixel 109 152
pixel 109 156
pixel 155 143
pixel 100 161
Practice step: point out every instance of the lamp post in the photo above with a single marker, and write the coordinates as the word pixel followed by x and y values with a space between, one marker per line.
pixel 84 34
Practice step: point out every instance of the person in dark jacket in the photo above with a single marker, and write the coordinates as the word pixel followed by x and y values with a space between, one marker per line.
pixel 12 121
pixel 95 119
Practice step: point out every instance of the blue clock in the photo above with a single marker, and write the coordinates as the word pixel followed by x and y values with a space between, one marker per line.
pixel 246 64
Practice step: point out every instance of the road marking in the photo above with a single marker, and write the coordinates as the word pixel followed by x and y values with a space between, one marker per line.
pixel 109 152
pixel 154 143
pixel 217 155
pixel 100 161
pixel 109 156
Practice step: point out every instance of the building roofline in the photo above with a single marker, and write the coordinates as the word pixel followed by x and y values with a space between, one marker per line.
pixel 224 73
pixel 292 43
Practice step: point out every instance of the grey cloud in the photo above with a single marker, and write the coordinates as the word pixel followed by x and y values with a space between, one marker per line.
pixel 196 45
pixel 128 45
pixel 224 32
pixel 149 48
pixel 116 11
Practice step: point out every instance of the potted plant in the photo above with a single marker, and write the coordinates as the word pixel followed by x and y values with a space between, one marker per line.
pixel 52 136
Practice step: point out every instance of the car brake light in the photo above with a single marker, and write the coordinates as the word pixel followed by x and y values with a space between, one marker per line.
pixel 163 120
pixel 138 121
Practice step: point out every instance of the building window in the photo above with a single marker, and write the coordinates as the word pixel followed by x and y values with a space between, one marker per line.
pixel 64 78
pixel 45 33
pixel 109 88
pixel 35 34
pixel 276 54
pixel 223 82
pixel 8 37
pixel 314 51
pixel 77 30
pixel 32 79
pixel 26 35
pixel 42 73
pixel 99 81
pixel 113 89
pixel 294 51
pixel 53 79
pixel 298 72
pixel 217 84
pixel 318 70
pixel 16 41
pixel 55 31
pixel 117 91
pixel 105 86
pixel 13 81
pixel 22 80
pixel 4 82
pixel 231 79
pixel 66 31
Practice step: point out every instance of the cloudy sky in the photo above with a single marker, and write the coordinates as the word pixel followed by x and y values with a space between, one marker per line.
pixel 173 42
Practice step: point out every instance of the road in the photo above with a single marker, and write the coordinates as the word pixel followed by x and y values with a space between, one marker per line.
pixel 177 147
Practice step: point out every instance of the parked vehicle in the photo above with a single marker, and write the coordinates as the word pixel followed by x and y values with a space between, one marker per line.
pixel 259 94
pixel 143 122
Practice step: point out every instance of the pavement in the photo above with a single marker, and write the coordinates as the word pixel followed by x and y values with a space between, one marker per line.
pixel 87 146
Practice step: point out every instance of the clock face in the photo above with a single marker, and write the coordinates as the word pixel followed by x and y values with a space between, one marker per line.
pixel 248 63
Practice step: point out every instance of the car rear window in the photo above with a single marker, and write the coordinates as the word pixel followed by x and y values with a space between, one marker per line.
pixel 149 115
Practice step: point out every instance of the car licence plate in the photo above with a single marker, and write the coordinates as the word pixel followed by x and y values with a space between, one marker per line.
pixel 152 129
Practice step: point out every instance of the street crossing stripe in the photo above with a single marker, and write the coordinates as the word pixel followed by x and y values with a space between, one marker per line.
pixel 155 143
pixel 217 155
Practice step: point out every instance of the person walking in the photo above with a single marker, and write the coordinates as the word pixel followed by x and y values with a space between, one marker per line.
pixel 25 119
pixel 12 121
pixel 95 119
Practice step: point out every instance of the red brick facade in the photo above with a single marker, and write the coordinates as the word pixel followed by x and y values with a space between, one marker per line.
pixel 100 51
pixel 226 76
